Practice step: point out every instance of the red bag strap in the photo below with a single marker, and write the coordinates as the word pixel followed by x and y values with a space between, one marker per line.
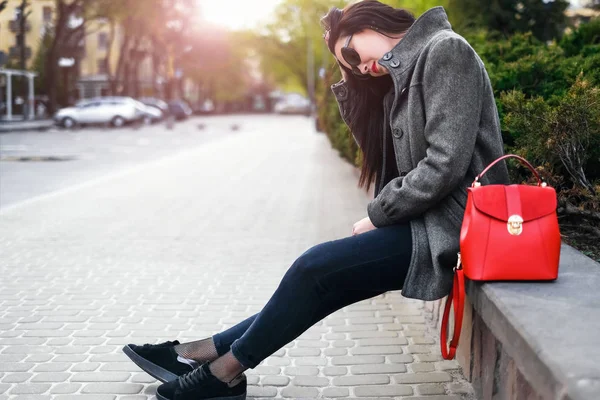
pixel 458 295
pixel 521 159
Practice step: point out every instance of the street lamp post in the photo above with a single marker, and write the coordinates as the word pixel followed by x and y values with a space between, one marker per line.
pixel 310 69
pixel 31 97
pixel 21 36
pixel 9 95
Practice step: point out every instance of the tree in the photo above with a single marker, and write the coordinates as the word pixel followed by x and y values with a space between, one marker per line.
pixel 544 18
pixel 283 46
pixel 219 62
pixel 585 39
pixel 417 7
pixel 177 44
pixel 40 58
pixel 159 30
pixel 69 31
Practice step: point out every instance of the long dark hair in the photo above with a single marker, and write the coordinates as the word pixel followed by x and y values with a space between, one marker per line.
pixel 365 107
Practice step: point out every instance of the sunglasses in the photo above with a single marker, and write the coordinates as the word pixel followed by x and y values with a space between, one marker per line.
pixel 353 59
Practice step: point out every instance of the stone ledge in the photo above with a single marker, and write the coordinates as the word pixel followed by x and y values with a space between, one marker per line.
pixel 549 331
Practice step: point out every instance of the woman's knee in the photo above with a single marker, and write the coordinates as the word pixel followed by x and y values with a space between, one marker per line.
pixel 308 265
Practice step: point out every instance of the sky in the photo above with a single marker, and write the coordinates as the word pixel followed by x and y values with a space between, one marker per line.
pixel 237 14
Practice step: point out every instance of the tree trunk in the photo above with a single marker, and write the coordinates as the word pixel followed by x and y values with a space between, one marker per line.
pixel 133 69
pixel 123 55
pixel 51 65
pixel 51 73
pixel 63 37
pixel 155 64
pixel 109 77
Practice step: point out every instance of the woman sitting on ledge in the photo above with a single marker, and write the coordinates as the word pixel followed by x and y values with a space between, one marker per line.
pixel 419 103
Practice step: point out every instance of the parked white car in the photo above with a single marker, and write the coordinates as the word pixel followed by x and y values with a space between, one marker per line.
pixel 148 114
pixel 102 110
pixel 293 103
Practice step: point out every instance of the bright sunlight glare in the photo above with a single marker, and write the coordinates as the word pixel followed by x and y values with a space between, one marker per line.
pixel 237 14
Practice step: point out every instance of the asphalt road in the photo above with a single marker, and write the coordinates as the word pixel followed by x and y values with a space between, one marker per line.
pixel 36 163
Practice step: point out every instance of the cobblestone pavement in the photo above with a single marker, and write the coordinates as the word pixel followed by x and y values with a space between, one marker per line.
pixel 186 246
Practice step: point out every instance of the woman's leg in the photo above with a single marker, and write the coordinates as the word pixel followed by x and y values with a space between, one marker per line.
pixel 213 347
pixel 221 342
pixel 326 278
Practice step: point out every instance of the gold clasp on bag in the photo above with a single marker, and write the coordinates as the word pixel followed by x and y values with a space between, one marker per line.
pixel 515 225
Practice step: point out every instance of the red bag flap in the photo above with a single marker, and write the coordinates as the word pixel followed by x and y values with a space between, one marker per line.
pixel 536 201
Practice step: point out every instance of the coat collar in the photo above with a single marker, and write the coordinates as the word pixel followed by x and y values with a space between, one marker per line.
pixel 404 54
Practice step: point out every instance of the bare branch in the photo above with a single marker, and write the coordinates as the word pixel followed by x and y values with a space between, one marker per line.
pixel 569 209
pixel 588 229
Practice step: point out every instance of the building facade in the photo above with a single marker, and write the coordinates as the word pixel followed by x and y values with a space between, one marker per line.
pixel 41 14
pixel 99 59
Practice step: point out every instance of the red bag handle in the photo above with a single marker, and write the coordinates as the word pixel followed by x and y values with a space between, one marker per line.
pixel 458 295
pixel 521 159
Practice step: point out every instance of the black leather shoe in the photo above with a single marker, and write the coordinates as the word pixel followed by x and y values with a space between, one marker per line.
pixel 201 384
pixel 160 360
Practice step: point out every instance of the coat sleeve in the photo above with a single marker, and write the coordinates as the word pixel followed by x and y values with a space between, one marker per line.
pixel 452 93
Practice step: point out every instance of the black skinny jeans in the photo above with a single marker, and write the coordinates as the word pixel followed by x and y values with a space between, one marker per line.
pixel 324 279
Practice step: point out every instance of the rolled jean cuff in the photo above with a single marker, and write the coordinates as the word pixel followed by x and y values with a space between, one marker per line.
pixel 219 345
pixel 241 357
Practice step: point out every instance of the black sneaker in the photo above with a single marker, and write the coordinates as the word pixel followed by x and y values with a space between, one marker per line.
pixel 201 384
pixel 160 360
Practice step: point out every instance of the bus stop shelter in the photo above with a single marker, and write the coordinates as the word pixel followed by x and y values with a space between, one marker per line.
pixel 9 73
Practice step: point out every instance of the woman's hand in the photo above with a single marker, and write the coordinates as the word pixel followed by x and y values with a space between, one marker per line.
pixel 362 226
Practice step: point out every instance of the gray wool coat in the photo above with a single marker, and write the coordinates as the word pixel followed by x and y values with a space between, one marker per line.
pixel 444 128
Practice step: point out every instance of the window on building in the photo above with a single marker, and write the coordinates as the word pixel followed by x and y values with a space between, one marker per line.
pixel 102 66
pixel 102 41
pixel 47 14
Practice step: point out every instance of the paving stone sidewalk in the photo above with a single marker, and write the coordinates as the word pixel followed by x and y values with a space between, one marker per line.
pixel 185 247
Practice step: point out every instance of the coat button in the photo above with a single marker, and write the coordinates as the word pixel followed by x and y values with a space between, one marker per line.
pixel 395 63
pixel 342 92
pixel 387 56
pixel 397 132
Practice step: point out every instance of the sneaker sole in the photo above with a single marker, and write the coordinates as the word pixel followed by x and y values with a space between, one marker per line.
pixel 240 397
pixel 150 368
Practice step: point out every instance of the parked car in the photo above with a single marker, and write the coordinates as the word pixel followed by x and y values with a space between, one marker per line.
pixel 117 111
pixel 179 109
pixel 156 103
pixel 293 103
pixel 148 114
